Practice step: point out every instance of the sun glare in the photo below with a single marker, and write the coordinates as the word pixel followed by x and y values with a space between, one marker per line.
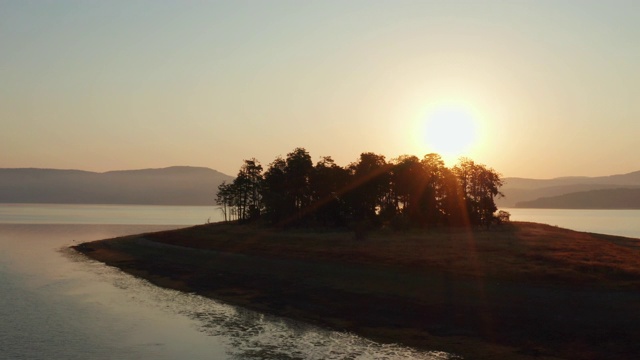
pixel 451 131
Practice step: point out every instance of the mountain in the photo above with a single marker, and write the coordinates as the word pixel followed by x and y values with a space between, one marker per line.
pixel 184 185
pixel 619 198
pixel 519 190
pixel 178 185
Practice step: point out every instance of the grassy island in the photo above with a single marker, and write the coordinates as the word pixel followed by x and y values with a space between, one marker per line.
pixel 517 291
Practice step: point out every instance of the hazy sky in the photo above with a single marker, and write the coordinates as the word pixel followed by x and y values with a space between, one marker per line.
pixel 552 88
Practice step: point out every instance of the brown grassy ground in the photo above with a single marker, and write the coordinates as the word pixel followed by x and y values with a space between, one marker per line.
pixel 520 291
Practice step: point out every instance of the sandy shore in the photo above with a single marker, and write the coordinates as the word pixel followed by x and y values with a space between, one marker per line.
pixel 522 291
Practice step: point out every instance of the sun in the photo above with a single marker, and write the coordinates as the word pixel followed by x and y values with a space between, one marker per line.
pixel 449 130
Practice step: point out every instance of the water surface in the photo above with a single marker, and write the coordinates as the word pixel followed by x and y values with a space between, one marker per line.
pixel 56 304
pixel 108 214
pixel 612 222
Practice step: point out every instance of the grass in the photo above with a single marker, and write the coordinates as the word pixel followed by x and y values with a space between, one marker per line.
pixel 518 251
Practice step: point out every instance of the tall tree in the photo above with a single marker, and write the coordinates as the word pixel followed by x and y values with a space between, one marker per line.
pixel 224 199
pixel 370 184
pixel 297 181
pixel 251 174
pixel 274 192
pixel 454 210
pixel 407 182
pixel 242 199
pixel 479 185
pixel 434 189
pixel 328 183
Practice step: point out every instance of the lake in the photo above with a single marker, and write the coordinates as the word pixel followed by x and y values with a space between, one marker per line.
pixel 56 304
pixel 612 222
pixel 108 214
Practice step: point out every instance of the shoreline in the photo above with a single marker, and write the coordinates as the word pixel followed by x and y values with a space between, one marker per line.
pixel 475 293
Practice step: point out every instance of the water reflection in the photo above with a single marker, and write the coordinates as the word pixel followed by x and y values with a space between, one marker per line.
pixel 251 335
pixel 53 308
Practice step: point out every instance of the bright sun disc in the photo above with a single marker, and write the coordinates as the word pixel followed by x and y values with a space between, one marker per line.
pixel 450 131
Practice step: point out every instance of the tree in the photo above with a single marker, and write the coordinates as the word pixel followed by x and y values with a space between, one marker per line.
pixel 297 181
pixel 328 183
pixel 224 199
pixel 434 190
pixel 369 186
pixel 408 184
pixel 241 200
pixel 274 194
pixel 452 200
pixel 407 191
pixel 479 186
pixel 250 176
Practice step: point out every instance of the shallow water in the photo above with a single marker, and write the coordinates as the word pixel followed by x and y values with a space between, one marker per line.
pixel 56 304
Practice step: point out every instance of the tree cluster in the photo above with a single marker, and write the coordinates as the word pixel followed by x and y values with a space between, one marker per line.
pixel 406 191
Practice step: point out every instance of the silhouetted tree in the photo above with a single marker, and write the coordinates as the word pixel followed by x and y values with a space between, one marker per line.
pixel 479 186
pixel 369 185
pixel 224 199
pixel 408 184
pixel 407 191
pixel 251 184
pixel 434 194
pixel 452 202
pixel 297 179
pixel 241 200
pixel 328 184
pixel 274 192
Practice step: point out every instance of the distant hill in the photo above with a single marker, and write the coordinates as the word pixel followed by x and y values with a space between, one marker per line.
pixel 178 185
pixel 595 199
pixel 520 190
pixel 184 185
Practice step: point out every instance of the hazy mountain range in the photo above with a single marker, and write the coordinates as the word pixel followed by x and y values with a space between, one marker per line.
pixel 184 185
pixel 178 185
pixel 603 192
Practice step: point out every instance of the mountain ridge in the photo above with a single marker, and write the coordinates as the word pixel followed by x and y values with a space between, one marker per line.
pixel 615 198
pixel 194 185
pixel 175 185
pixel 521 190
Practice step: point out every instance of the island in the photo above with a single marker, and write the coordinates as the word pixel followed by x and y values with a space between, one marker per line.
pixel 514 291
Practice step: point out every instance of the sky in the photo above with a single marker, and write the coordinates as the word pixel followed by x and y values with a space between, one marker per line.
pixel 535 89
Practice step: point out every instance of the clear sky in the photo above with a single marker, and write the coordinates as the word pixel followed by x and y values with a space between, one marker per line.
pixel 531 88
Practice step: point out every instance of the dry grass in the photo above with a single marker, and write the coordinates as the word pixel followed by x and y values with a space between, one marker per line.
pixel 519 251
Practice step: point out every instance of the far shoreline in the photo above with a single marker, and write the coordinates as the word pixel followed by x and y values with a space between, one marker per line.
pixel 501 293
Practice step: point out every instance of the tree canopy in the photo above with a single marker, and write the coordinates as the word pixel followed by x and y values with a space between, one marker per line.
pixel 406 191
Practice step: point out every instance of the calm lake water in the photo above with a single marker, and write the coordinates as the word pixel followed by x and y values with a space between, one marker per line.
pixel 56 304
pixel 613 222
pixel 108 214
